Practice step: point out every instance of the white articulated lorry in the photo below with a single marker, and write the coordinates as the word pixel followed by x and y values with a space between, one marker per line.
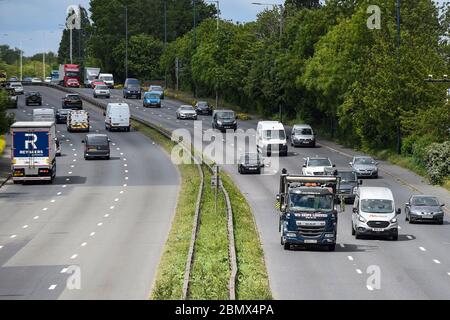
pixel 34 147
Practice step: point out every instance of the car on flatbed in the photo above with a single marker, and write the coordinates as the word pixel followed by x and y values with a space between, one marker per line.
pixel 72 101
pixel 317 166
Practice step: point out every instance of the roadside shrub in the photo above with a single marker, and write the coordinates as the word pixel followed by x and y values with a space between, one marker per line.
pixel 438 162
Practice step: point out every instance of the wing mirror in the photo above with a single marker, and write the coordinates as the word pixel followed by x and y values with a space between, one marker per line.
pixel 355 210
pixel 104 113
pixel 334 166
pixel 443 205
pixel 407 204
pixel 82 141
pixel 350 163
pixel 360 182
pixel 399 211
pixel 304 166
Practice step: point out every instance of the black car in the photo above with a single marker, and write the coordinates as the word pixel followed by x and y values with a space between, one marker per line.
pixel 349 185
pixel 223 120
pixel 61 115
pixel 203 107
pixel 132 88
pixel 72 101
pixel 33 97
pixel 96 146
pixel 250 163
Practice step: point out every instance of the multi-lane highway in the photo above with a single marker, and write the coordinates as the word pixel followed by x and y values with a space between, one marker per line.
pixel 415 267
pixel 102 224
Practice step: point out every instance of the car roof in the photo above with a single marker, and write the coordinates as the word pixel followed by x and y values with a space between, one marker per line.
pixel 297 126
pixel 186 105
pixel 93 135
pixel 32 124
pixel 375 193
pixel 423 196
pixel 365 157
pixel 118 104
pixel 152 92
pixel 318 158
pixel 223 110
pixel 274 125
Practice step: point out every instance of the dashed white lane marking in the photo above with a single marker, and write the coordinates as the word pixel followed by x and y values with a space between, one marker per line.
pixel 342 245
pixel 126 178
pixel 409 237
pixel 124 159
pixel 64 270
pixel 44 209
pixel 74 160
pixel 126 171
pixel 436 261
pixel 125 185
pixel 369 288
pixel 116 199
pixel 72 146
pixel 74 154
pixel 59 193
pixel 121 153
pixel 64 186
pixel 125 165
pixel 25 226
pixel 92 234
pixel 358 271
pixel 448 273
pixel 399 228
pixel 13 236
pixel 113 144
pixel 74 149
pixel 68 179
pixel 106 215
pixel 52 201
pixel 36 217
pixel 100 224
pixel 84 244
pixel 121 192
pixel 112 207
pixel 74 256
pixel 72 166
pixel 422 249
pixel 1 247
pixel 70 172
pixel 350 258
pixel 52 287
pixel 118 149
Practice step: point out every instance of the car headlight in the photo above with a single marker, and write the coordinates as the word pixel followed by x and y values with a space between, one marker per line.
pixel 361 218
pixel 355 189
pixel 394 220
pixel 219 123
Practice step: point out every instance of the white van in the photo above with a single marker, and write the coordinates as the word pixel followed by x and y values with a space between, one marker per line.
pixel 374 213
pixel 43 114
pixel 107 78
pixel 117 116
pixel 271 137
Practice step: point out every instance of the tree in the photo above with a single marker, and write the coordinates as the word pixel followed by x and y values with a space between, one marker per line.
pixel 303 4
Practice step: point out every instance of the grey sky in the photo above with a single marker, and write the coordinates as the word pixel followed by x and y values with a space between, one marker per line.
pixel 34 23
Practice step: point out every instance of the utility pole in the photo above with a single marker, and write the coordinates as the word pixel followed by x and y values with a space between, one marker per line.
pixel 195 24
pixel 21 63
pixel 165 38
pixel 126 41
pixel 70 30
pixel 217 28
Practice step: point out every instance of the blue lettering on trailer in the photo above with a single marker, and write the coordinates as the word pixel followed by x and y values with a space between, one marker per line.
pixel 31 144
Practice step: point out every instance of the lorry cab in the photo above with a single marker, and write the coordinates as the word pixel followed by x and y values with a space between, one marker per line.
pixel 78 120
pixel 43 114
pixel 107 78
pixel 117 116
pixel 374 213
pixel 271 138
pixel 308 210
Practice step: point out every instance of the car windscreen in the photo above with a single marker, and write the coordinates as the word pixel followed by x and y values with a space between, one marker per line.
pixel 151 96
pixel 107 78
pixel 133 83
pixel 364 161
pixel 202 104
pixel 72 74
pixel 347 176
pixel 98 140
pixel 377 206
pixel 307 202
pixel 101 87
pixel 157 88
pixel 74 97
pixel 306 132
pixel 187 108
pixel 251 158
pixel 319 163
pixel 274 134
pixel 425 201
pixel 225 115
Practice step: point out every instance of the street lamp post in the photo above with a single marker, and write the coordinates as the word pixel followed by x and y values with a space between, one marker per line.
pixel 275 5
pixel 399 139
pixel 126 41
pixel 218 19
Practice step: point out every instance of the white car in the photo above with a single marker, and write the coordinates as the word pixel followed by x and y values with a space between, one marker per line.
pixel 186 112
pixel 36 80
pixel 102 91
pixel 374 213
pixel 317 166
pixel 17 86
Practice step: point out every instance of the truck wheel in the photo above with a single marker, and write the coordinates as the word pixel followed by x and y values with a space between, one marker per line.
pixel 441 222
pixel 353 230
pixel 395 237
pixel 287 246
pixel 331 247
pixel 357 235
pixel 16 182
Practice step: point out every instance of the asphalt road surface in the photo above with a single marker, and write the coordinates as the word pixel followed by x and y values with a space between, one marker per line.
pixel 415 267
pixel 98 231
